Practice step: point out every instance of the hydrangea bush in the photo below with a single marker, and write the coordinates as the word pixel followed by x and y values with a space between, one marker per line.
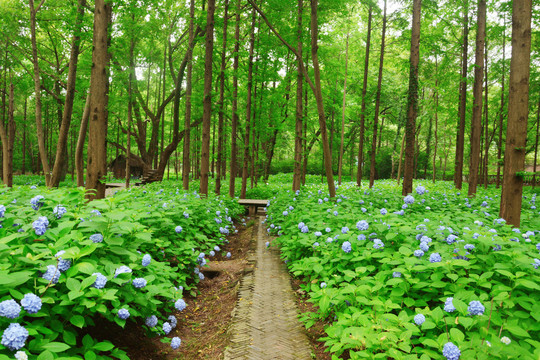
pixel 468 285
pixel 66 262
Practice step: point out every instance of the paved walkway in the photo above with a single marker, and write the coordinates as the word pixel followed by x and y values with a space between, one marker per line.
pixel 265 322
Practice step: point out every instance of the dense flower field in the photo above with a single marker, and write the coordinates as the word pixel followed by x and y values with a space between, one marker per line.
pixel 67 264
pixel 433 275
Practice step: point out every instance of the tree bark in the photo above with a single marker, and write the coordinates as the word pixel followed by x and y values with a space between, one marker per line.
pixel 460 139
pixel 99 100
pixel 79 160
pixel 536 143
pixel 37 89
pixel 248 107
pixel 187 118
pixel 377 103
pixel 70 97
pixel 486 119
pixel 518 111
pixel 234 122
pixel 501 111
pixel 476 122
pixel 436 96
pixel 412 101
pixel 221 115
pixel 130 108
pixel 340 162
pixel 363 111
pixel 207 99
pixel 297 177
pixel 8 140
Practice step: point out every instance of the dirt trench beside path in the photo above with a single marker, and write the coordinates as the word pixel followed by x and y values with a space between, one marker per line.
pixel 265 321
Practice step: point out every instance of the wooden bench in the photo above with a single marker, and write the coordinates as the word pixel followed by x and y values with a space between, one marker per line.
pixel 253 205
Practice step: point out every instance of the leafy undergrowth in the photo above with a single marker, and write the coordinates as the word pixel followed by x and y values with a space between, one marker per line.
pixel 69 266
pixel 431 276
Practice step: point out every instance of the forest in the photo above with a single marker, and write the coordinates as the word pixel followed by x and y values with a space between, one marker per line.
pixel 238 99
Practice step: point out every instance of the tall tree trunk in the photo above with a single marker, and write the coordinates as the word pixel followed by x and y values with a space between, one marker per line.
pixel 476 122
pixel 70 97
pixel 536 142
pixel 130 106
pixel 297 177
pixel 304 138
pixel 436 96
pixel 24 139
pixel 8 140
pixel 221 114
pixel 340 162
pixel 501 111
pixel 460 139
pixel 412 101
pixel 37 89
pixel 248 107
pixel 363 111
pixel 99 100
pixel 518 111
pixel 187 119
pixel 79 160
pixel 486 117
pixel 234 122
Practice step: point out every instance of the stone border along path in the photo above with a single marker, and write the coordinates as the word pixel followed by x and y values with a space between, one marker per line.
pixel 265 321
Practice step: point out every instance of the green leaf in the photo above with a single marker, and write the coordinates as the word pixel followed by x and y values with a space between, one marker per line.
pixel 460 305
pixel 457 335
pixel 528 284
pixel 85 268
pixel 516 330
pixel 73 284
pixel 56 346
pixel 69 338
pixel 77 320
pixel 90 355
pixel 324 303
pixel 103 346
pixel 46 355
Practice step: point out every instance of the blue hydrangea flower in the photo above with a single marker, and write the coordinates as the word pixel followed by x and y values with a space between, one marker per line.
pixel 409 199
pixel 451 239
pixel 336 213
pixel 420 190
pixel 323 285
pixel 63 265
pixel 172 321
pixel 139 283
pixel 315 244
pixel 96 212
pixel 59 211
pixel 212 253
pixel 327 229
pixel 21 355
pixel 363 209
pixel 228 256
pixel 346 247
pixel 476 308
pixel 378 244
pixel 40 225
pixel 384 211
pixel 180 304
pixel 217 248
pixel 201 276
pixel 167 328
pixel 122 270
pixel 451 351
pixel 37 202
pixel 361 237
pixel 178 229
pixel 304 229
pixel 484 204
pixel 448 305
pixel 151 321
pixel 419 319
pixel 186 215
pixel 424 246
pixel 146 260
pixel 31 303
pixel 124 314
pixel 2 211
pixel 14 337
pixel 469 247
pixel 344 230
pixel 396 274
pixel 435 258
pixel 362 225
pixel 285 213
pixel 100 280
pixel 10 309
pixel 96 238
pixel 175 342
pixel 52 274
pixel 425 239
pixel 497 247
pixel 317 233
pixel 536 262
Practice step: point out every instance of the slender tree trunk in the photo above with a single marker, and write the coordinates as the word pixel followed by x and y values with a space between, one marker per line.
pixel 536 142
pixel 518 111
pixel 460 140
pixel 340 162
pixel 436 95
pixel 130 106
pixel 248 107
pixel 486 117
pixel 79 160
pixel 412 101
pixel 297 177
pixel 99 100
pixel 187 119
pixel 221 114
pixel 37 89
pixel 363 111
pixel 24 139
pixel 401 158
pixel 234 122
pixel 501 111
pixel 8 140
pixel 304 137
pixel 70 97
pixel 476 122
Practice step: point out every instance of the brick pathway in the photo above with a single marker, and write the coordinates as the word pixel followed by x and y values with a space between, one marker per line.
pixel 265 322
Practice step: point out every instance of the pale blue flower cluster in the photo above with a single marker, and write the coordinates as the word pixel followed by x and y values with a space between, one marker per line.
pixel 435 258
pixel 63 265
pixel 362 225
pixel 59 211
pixel 36 202
pixel 420 190
pixel 146 260
pixel 323 285
pixel 451 351
pixel 14 337
pixel 31 303
pixel 384 211
pixel 180 304
pixel 122 270
pixel 167 328
pixel 100 280
pixel 40 225
pixel 346 247
pixel 378 244
pixel 396 274
pixel 469 247
pixel 344 230
pixel 418 253
pixel 151 321
pixel 419 319
pixel 52 274
pixel 10 309
pixel 449 305
pixel 172 321
pixel 476 308
pixel 304 229
pixel 2 211
pixel 175 342
pixel 409 199
pixel 96 238
pixel 178 229
pixel 139 283
pixel 536 263
pixel 123 314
